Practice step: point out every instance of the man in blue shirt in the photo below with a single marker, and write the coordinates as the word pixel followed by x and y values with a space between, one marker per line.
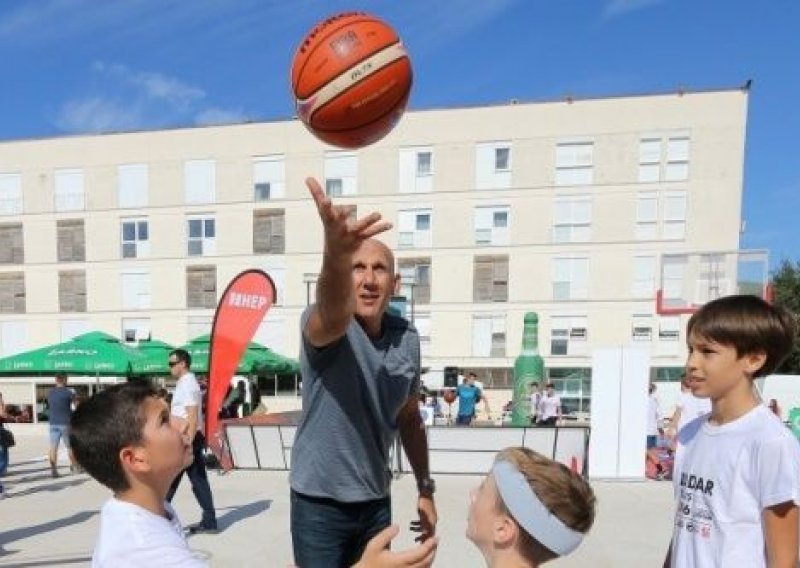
pixel 59 402
pixel 468 395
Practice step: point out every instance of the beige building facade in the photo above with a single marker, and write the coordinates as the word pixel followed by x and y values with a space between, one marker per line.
pixel 563 208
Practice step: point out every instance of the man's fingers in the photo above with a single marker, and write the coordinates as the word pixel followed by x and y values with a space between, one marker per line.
pixel 383 538
pixel 375 229
pixel 316 191
pixel 420 556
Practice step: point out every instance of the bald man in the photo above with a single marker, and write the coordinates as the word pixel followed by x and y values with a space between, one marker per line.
pixel 361 380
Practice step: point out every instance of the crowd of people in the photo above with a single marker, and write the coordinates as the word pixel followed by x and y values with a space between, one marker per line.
pixel 736 467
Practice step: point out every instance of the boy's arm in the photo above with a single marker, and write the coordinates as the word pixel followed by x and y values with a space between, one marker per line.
pixel 781 535
pixel 191 418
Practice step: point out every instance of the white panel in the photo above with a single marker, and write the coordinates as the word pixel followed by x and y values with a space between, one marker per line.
pixel 199 181
pixel 574 176
pixel 541 440
pixel 10 194
pixel 481 336
pixel 424 184
pixel 570 448
pixel 678 150
pixel 13 336
pixel 484 217
pixel 650 151
pixel 490 439
pixel 633 411
pixel 678 171
pixel 132 185
pixel 486 176
pixel 197 326
pixel 270 447
pixel 272 333
pixel 241 445
pixel 73 328
pixel 135 290
pixel 604 442
pixel 69 194
pixel 408 170
pixel 675 206
pixel 647 208
pixel 272 170
pixel 649 173
pixel 406 221
pixel 476 463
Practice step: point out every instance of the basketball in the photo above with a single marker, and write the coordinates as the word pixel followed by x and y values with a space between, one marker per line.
pixel 351 79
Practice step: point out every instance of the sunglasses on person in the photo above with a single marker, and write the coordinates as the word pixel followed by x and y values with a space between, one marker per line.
pixel 172 363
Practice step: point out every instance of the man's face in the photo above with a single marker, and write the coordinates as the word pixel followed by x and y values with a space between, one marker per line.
pixel 374 280
pixel 177 368
pixel 166 444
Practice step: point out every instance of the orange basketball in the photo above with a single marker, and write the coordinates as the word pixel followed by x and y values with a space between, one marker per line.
pixel 351 78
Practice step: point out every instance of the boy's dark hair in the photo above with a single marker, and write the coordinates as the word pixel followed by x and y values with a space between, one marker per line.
pixel 748 324
pixel 182 355
pixel 103 425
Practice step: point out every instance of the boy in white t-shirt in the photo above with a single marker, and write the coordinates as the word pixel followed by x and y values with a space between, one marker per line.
pixel 737 469
pixel 126 439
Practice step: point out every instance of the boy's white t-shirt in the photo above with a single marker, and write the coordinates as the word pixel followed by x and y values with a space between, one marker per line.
pixel 133 537
pixel 724 478
pixel 187 393
pixel 691 407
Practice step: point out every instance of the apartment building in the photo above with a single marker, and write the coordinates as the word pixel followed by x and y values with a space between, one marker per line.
pixel 559 207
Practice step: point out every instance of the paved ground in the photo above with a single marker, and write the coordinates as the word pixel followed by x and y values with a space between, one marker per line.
pixel 53 522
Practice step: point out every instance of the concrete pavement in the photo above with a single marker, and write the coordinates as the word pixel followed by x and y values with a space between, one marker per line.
pixel 53 522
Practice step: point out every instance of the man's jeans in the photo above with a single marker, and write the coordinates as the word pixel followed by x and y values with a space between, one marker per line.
pixel 331 534
pixel 199 480
pixel 3 459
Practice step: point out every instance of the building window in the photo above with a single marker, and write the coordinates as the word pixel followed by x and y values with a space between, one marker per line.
pixel 72 291
pixel 269 231
pixel 198 325
pixel 71 240
pixel 136 329
pixel 568 335
pixel 69 194
pixel 647 217
pixel 570 278
pixel 642 327
pixel 132 185
pixel 489 335
pixel 269 177
pixel 420 270
pixel 657 163
pixel 135 238
pixel 493 165
pixel 341 173
pixel 10 194
pixel 491 226
pixel 573 220
pixel 672 271
pixel 136 290
pixel 490 279
pixel 202 236
pixel 574 163
pixel 669 328
pixel 199 181
pixel 12 249
pixel 644 276
pixel 422 322
pixel 416 170
pixel 674 227
pixel 414 228
pixel 12 293
pixel 201 287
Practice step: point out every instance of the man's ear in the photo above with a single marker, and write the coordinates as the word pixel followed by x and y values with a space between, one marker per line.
pixel 396 290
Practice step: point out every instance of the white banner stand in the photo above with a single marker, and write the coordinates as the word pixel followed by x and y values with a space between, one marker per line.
pixel 620 378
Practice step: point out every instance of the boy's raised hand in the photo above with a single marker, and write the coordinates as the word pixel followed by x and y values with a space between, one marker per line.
pixel 343 236
pixel 378 555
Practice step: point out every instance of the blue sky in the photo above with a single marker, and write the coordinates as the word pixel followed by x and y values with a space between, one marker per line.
pixel 92 65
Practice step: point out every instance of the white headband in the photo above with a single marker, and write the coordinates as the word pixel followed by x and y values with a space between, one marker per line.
pixel 530 512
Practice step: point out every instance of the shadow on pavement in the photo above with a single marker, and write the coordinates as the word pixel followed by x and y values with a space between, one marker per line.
pixel 235 514
pixel 27 532
pixel 56 486
pixel 50 561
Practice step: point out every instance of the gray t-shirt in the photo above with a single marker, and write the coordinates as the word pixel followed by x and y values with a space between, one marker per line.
pixel 353 391
pixel 59 401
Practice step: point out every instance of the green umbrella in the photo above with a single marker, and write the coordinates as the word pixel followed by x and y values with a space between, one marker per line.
pixel 94 353
pixel 199 348
pixel 256 358
pixel 156 355
pixel 271 362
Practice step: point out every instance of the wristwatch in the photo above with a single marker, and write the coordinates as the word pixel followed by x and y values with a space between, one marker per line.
pixel 426 486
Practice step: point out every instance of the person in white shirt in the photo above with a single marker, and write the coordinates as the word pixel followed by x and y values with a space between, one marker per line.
pixel 653 417
pixel 125 438
pixel 536 398
pixel 549 410
pixel 688 408
pixel 737 469
pixel 187 404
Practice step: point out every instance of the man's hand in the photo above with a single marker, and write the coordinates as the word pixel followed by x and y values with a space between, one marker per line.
pixel 426 525
pixel 378 555
pixel 343 236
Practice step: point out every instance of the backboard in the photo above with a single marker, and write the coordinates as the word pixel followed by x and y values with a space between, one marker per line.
pixel 689 280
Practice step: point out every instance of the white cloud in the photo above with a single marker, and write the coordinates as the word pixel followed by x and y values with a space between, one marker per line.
pixel 616 8
pixel 128 99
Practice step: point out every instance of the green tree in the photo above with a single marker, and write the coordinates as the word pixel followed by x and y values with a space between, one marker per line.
pixel 786 284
